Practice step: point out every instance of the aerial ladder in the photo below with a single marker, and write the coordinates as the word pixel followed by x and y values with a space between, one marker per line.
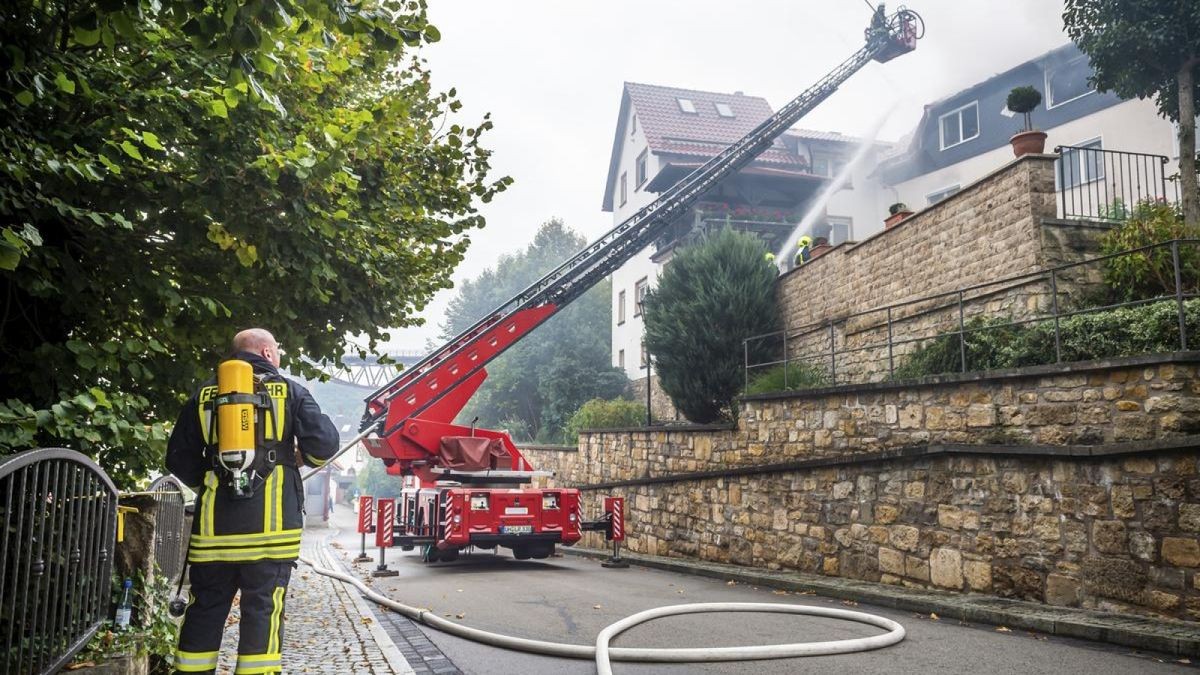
pixel 461 484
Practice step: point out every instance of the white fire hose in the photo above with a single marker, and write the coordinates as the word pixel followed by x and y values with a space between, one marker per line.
pixel 603 654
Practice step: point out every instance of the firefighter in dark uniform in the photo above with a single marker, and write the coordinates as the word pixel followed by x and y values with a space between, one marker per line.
pixel 247 541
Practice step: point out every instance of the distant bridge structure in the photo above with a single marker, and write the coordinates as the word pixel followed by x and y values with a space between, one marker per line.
pixel 368 373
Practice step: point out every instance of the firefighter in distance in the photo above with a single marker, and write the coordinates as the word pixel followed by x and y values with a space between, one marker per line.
pixel 239 443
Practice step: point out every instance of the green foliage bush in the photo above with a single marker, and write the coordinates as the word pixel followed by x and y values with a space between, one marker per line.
pixel 374 480
pixel 1151 273
pixel 799 376
pixel 1124 331
pixel 711 297
pixel 600 414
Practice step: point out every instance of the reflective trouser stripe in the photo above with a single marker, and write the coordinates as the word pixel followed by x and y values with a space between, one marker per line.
pixel 276 612
pixel 244 554
pixel 259 663
pixel 195 662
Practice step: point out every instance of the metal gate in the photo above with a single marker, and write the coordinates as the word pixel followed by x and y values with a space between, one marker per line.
pixel 170 527
pixel 59 512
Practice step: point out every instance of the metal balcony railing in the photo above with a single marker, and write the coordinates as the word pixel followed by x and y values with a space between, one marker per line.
pixel 1106 185
pixel 842 350
pixel 59 511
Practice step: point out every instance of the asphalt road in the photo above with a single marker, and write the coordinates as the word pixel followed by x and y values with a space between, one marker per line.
pixel 569 599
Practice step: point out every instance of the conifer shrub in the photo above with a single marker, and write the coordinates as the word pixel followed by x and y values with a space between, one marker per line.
pixel 600 414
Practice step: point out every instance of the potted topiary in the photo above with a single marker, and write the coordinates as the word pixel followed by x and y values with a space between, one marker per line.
pixel 1023 100
pixel 896 213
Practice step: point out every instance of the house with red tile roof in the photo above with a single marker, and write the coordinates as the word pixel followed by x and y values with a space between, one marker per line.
pixel 664 133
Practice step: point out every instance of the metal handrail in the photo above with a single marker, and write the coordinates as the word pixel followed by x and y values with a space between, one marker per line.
pixel 170 526
pixel 961 297
pixel 56 556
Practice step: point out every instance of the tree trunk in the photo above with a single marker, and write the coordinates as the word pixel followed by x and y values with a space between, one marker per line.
pixel 1187 145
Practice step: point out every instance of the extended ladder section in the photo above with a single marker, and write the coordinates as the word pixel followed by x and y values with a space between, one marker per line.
pixel 460 360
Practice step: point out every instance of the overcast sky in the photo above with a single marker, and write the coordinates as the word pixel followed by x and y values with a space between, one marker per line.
pixel 550 72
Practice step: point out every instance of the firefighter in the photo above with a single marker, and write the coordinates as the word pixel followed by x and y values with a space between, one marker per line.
pixel 246 528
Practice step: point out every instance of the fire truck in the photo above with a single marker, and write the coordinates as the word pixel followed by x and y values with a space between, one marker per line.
pixel 464 486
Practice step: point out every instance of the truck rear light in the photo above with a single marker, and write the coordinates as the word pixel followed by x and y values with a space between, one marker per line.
pixel 571 517
pixel 457 519
pixel 549 500
pixel 479 502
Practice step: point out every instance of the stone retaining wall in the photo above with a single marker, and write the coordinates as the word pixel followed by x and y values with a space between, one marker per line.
pixel 1072 485
pixel 1001 226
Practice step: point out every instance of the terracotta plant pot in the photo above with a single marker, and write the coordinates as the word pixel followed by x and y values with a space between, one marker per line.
pixel 1028 142
pixel 895 218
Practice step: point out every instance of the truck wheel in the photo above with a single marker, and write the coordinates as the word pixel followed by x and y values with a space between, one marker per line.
pixel 429 553
pixel 522 552
pixel 449 555
pixel 543 552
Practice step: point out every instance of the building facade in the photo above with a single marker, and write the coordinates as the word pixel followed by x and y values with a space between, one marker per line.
pixel 663 134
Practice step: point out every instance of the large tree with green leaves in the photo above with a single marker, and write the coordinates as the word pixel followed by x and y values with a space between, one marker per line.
pixel 710 298
pixel 535 387
pixel 173 171
pixel 1148 48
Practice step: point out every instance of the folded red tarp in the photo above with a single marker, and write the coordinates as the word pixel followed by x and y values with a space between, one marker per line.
pixel 471 453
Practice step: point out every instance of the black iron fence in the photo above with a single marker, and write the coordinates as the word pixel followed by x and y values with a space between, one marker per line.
pixel 874 344
pixel 170 526
pixel 1098 184
pixel 59 512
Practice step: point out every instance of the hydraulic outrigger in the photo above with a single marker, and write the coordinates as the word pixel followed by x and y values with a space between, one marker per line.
pixel 461 483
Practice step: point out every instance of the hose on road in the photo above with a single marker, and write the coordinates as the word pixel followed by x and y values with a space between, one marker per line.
pixel 602 653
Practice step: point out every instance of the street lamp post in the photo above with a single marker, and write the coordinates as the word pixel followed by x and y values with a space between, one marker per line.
pixel 646 358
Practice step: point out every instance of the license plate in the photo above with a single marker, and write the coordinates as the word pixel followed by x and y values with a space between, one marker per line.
pixel 516 529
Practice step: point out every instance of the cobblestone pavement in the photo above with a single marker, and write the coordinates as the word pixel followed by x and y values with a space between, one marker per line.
pixel 324 628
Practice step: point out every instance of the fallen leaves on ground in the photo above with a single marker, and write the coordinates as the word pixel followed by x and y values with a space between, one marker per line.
pixel 597 606
pixel 850 603
pixel 1003 629
pixel 933 616
pixel 367 620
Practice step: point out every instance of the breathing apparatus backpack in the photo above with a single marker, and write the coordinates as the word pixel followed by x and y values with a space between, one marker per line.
pixel 242 405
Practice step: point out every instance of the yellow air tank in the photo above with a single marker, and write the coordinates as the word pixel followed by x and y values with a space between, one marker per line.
pixel 235 418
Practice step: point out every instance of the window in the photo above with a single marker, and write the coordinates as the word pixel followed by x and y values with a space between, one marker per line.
pixel 640 172
pixel 624 190
pixel 840 229
pixel 959 126
pixel 935 197
pixel 620 308
pixel 1067 82
pixel 1082 165
pixel 724 110
pixel 686 105
pixel 621 359
pixel 644 356
pixel 826 164
pixel 639 294
pixel 633 125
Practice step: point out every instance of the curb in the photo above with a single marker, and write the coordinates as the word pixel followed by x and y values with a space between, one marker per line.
pixel 391 653
pixel 1169 636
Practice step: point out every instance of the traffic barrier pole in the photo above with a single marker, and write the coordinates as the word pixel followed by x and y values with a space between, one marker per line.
pixel 614 507
pixel 366 523
pixel 383 535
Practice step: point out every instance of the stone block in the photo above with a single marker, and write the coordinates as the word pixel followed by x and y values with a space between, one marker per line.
pixel 1062 591
pixel 981 416
pixel 912 416
pixel 916 568
pixel 843 489
pixel 891 561
pixel 1011 580
pixel 1108 536
pixel 1115 578
pixel 1142 545
pixel 950 516
pixel 1181 552
pixel 905 537
pixel 978 575
pixel 1189 517
pixel 945 568
pixel 1122 501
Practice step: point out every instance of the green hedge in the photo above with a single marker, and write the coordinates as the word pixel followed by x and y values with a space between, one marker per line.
pixel 799 376
pixel 600 414
pixel 1125 331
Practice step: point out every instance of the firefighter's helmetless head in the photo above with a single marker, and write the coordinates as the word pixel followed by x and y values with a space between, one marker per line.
pixel 257 341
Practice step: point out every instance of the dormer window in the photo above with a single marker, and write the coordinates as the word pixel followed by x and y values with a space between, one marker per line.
pixel 959 125
pixel 686 105
pixel 724 110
